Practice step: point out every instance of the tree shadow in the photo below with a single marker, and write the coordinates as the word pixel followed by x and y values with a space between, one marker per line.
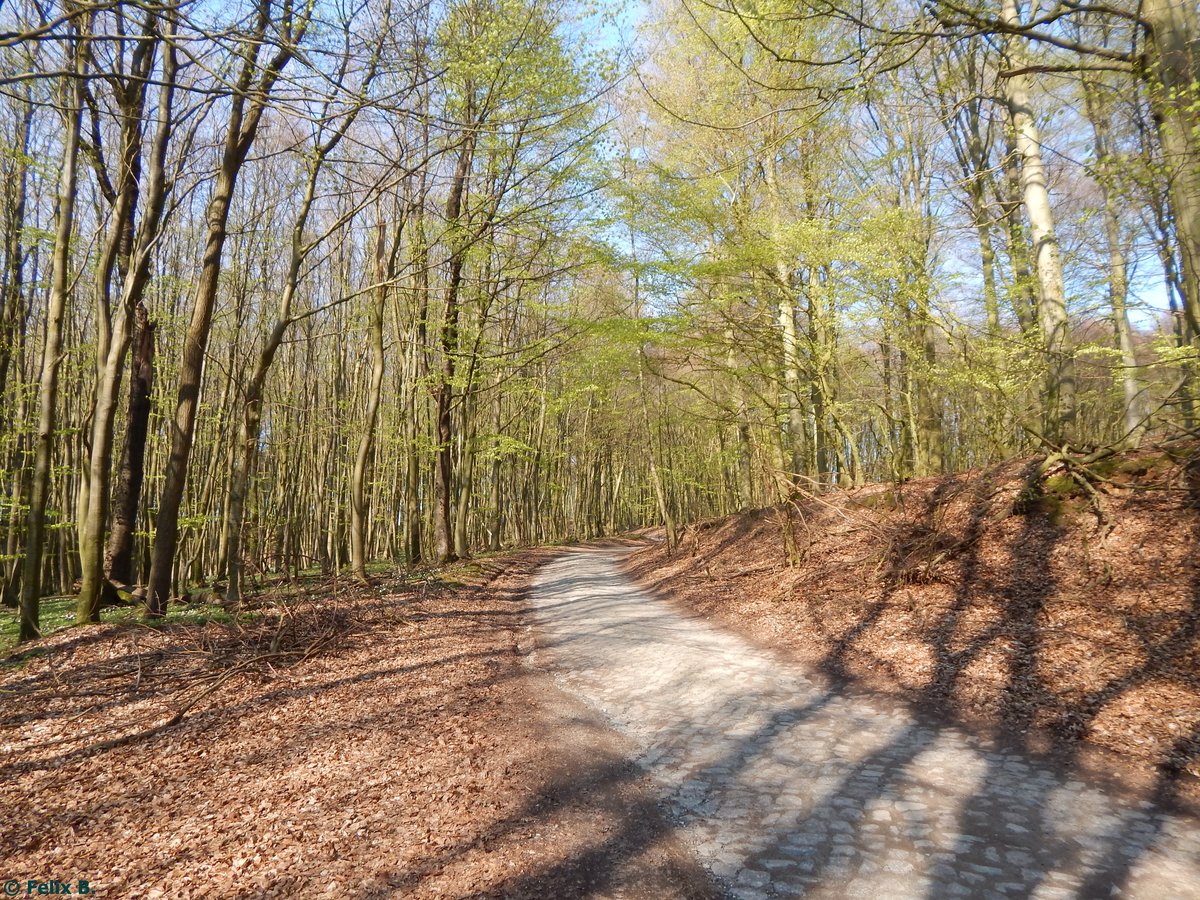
pixel 929 810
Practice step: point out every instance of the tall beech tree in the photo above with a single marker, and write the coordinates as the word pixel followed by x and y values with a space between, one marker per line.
pixel 126 254
pixel 331 125
pixel 72 100
pixel 277 29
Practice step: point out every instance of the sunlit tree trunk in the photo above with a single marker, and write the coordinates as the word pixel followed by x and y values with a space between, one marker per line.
pixel 1024 287
pixel 358 478
pixel 1174 55
pixel 60 286
pixel 1059 400
pixel 133 262
pixel 245 114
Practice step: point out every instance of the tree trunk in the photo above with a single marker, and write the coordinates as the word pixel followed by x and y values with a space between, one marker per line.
pixel 358 503
pixel 131 474
pixel 1173 45
pixel 166 536
pixel 98 466
pixel 786 319
pixel 130 250
pixel 1133 408
pixel 443 395
pixel 1059 400
pixel 930 443
pixel 12 292
pixel 60 278
pixel 240 134
pixel 1024 293
pixel 465 486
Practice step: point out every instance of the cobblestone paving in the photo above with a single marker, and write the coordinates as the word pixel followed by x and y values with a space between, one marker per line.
pixel 786 788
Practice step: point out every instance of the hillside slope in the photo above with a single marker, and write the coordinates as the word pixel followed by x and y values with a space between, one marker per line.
pixel 1019 601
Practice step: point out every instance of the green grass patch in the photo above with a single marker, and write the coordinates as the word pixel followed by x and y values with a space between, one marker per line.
pixel 57 613
pixel 466 572
pixel 191 614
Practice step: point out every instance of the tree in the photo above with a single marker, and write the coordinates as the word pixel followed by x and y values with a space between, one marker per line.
pixel 331 124
pixel 1172 37
pixel 1059 408
pixel 64 214
pixel 127 251
pixel 284 27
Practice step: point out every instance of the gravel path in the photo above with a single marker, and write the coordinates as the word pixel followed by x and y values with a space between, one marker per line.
pixel 786 788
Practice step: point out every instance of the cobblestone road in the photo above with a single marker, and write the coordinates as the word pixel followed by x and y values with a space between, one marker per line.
pixel 786 788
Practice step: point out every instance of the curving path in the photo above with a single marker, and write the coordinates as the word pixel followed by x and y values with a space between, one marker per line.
pixel 787 788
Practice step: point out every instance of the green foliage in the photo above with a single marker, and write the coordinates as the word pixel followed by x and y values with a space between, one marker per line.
pixel 502 446
pixel 59 612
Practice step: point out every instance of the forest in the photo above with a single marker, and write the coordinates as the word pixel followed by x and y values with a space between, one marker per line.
pixel 297 285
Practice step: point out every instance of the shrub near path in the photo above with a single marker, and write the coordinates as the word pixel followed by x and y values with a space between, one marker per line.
pixel 373 743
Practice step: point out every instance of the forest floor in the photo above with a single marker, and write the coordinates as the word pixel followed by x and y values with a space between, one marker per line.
pixel 331 741
pixel 391 741
pixel 1064 624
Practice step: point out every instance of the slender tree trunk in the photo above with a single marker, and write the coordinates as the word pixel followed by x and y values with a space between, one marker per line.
pixel 496 527
pixel 656 481
pixel 1174 53
pixel 19 474
pixel 465 486
pixel 443 537
pixel 987 258
pixel 660 494
pixel 13 314
pixel 131 473
pixel 1024 292
pixel 358 479
pixel 246 109
pixel 930 443
pixel 99 466
pixel 31 584
pixel 12 292
pixel 786 319
pixel 1059 406
pixel 1133 411
pixel 115 321
pixel 412 480
pixel 245 453
pixel 191 370
pixel 978 154
pixel 443 396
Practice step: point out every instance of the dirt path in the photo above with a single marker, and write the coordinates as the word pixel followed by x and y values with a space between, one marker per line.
pixel 785 786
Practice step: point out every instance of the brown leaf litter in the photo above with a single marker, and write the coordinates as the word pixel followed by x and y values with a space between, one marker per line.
pixel 998 598
pixel 343 742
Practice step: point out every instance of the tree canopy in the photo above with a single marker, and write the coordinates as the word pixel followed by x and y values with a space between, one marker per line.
pixel 309 285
